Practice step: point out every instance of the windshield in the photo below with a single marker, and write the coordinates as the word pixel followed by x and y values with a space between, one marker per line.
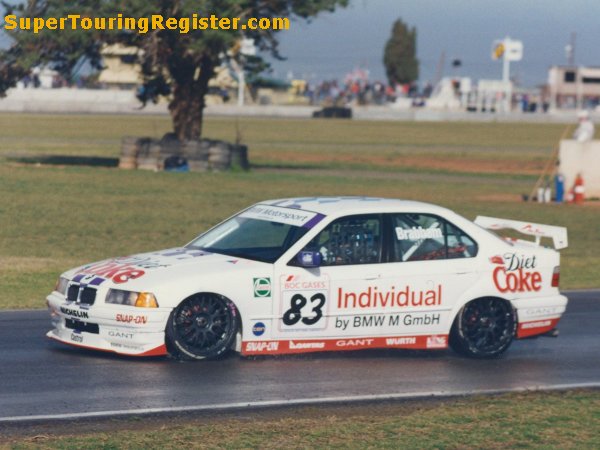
pixel 261 233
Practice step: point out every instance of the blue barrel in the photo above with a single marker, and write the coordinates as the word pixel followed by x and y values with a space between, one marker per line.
pixel 559 187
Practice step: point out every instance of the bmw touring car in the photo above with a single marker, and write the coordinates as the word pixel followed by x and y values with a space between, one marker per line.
pixel 321 274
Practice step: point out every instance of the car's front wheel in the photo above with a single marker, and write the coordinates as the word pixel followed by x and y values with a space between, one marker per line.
pixel 203 326
pixel 484 328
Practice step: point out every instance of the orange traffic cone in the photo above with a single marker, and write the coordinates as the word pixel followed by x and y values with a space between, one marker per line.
pixel 579 189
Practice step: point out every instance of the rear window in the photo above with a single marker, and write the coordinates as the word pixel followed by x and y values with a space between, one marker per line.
pixel 422 237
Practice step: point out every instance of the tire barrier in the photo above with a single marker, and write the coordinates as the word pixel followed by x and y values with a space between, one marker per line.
pixel 196 155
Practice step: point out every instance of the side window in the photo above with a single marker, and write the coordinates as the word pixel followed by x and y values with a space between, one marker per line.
pixel 459 244
pixel 350 240
pixel 421 237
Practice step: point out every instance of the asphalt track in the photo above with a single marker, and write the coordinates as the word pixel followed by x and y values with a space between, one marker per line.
pixel 43 380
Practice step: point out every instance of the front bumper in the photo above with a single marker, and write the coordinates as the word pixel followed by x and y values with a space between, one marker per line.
pixel 125 330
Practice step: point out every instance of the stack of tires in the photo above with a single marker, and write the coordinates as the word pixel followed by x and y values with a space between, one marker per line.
pixel 219 155
pixel 130 148
pixel 149 157
pixel 196 155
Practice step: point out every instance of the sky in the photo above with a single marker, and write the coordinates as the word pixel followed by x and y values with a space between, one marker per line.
pixel 333 44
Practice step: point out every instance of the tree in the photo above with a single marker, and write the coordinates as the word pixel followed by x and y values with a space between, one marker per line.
pixel 399 57
pixel 173 64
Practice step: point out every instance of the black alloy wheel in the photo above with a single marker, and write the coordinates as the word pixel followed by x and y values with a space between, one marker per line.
pixel 203 326
pixel 484 328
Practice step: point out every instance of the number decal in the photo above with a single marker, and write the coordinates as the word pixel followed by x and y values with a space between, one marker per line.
pixel 293 315
pixel 318 313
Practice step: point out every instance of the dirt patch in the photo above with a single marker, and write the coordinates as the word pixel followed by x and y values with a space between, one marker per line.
pixel 429 162
pixel 509 198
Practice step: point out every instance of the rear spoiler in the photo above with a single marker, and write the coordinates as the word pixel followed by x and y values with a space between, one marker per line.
pixel 557 234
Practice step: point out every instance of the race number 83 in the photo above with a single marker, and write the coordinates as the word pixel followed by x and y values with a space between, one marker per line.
pixel 293 315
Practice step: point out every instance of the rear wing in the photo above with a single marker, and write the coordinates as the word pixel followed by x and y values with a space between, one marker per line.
pixel 557 234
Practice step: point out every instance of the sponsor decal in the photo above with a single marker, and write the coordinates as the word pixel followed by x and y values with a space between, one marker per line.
pixel 372 297
pixel 126 346
pixel 118 273
pixel 262 347
pixel 416 234
pixel 416 319
pixel 356 343
pixel 303 303
pixel 394 320
pixel 540 324
pixel 512 261
pixel 527 329
pixel 399 341
pixel 277 214
pixel 262 287
pixel 130 318
pixel 179 253
pixel 76 338
pixel 436 342
pixel 120 334
pixel 542 311
pixel 361 322
pixel 517 281
pixel 74 312
pixel 295 314
pixel 88 280
pixel 306 345
pixel 514 273
pixel 294 283
pixel 288 216
pixel 529 228
pixel 97 281
pixel 497 259
pixel 258 329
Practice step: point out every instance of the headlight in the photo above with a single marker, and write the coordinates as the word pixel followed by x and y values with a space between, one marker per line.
pixel 139 299
pixel 61 285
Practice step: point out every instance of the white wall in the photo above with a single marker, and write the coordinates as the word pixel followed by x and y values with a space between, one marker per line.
pixel 581 157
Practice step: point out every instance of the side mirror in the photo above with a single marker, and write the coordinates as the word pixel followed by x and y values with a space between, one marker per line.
pixel 309 259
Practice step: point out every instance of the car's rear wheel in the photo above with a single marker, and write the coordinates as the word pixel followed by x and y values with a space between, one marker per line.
pixel 484 328
pixel 203 326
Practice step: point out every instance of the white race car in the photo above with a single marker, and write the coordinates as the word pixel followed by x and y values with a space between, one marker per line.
pixel 320 274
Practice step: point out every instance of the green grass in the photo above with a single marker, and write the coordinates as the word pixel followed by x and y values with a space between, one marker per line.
pixel 55 217
pixel 316 143
pixel 565 420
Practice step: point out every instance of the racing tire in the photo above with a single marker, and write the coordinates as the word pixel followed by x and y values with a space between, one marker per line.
pixel 203 326
pixel 484 328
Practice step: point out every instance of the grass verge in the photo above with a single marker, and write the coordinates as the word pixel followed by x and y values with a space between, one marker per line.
pixel 565 420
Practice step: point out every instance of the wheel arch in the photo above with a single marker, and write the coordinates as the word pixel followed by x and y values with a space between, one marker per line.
pixel 462 344
pixel 230 302
pixel 469 297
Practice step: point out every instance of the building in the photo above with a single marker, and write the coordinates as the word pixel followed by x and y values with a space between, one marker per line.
pixel 574 87
pixel 121 69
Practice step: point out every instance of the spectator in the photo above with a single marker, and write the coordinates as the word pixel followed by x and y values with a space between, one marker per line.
pixel 585 130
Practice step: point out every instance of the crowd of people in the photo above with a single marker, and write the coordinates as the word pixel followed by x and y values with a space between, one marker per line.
pixel 357 89
pixel 358 92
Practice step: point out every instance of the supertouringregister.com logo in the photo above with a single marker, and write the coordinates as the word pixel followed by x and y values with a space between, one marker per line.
pixel 143 25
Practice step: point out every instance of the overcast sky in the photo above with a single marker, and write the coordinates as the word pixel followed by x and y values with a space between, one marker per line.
pixel 333 44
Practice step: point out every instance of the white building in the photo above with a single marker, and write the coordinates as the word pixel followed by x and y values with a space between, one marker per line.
pixel 574 87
